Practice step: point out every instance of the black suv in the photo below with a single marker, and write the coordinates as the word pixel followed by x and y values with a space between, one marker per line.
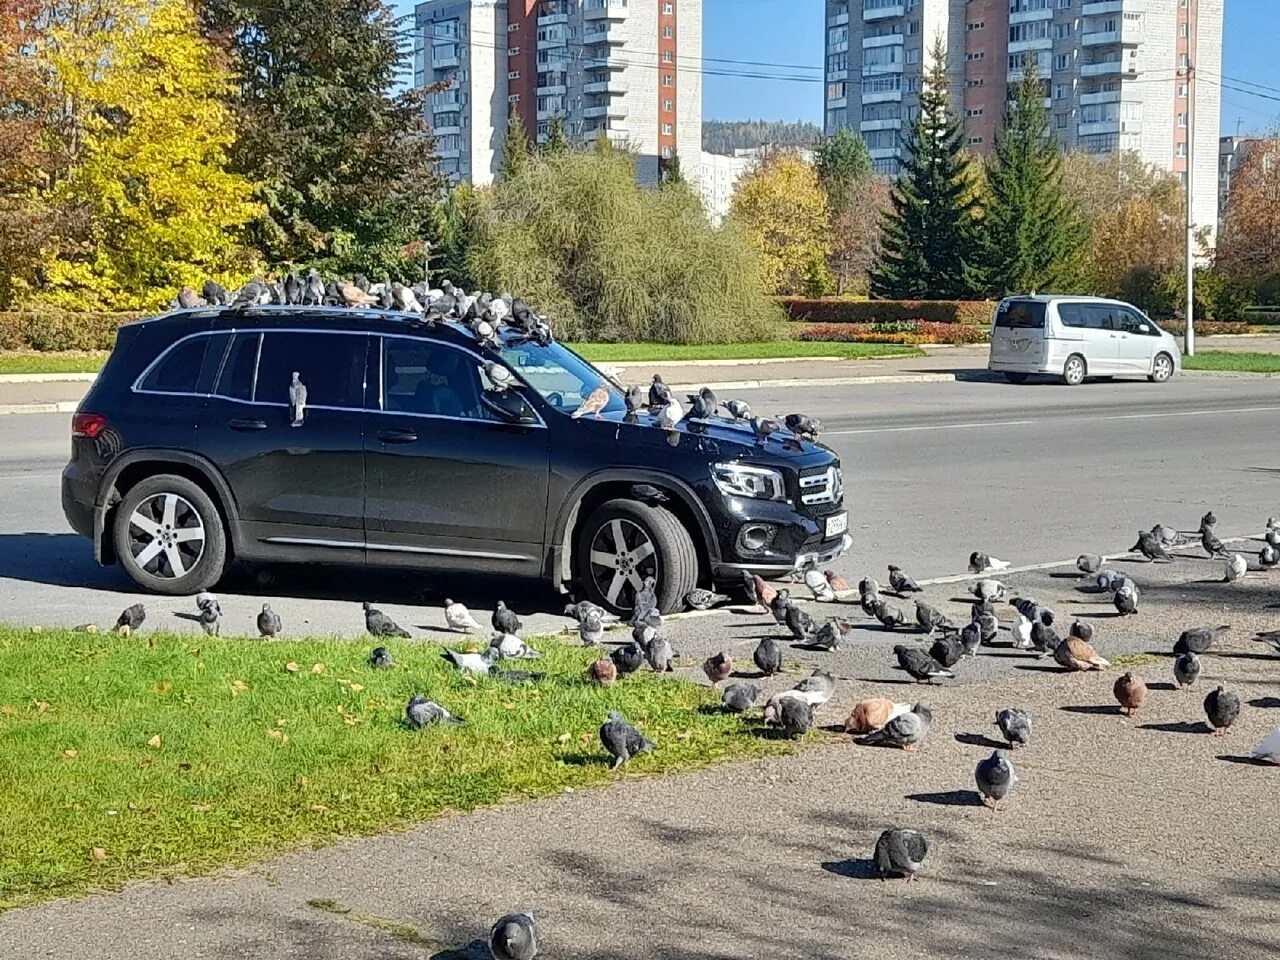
pixel 188 451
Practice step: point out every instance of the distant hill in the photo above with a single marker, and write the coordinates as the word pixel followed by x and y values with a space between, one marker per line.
pixel 725 136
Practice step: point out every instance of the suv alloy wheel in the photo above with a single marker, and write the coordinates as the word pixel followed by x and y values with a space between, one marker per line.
pixel 169 536
pixel 624 541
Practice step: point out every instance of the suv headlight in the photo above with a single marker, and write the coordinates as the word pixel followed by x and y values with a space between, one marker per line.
pixel 741 480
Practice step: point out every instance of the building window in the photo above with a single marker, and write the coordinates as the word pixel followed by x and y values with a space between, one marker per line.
pixel 838 63
pixel 668 105
pixel 666 153
pixel 976 25
pixel 1059 91
pixel 514 98
pixel 1064 4
pixel 973 140
pixel 667 129
pixel 1062 61
pixel 668 32
pixel 974 112
pixel 1060 121
pixel 1182 29
pixel 913 28
pixel 668 9
pixel 975 55
pixel 836 91
pixel 1182 61
pixel 668 56
pixel 1182 91
pixel 513 51
pixel 976 82
pixel 913 56
pixel 668 80
pixel 1181 151
pixel 1182 119
pixel 1061 31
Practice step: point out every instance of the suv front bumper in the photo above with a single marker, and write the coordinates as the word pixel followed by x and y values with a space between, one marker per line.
pixel 818 554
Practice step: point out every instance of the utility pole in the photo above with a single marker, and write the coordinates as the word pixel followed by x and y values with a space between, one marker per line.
pixel 1189 338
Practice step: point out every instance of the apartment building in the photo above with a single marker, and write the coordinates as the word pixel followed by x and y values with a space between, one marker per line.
pixel 1115 74
pixel 626 69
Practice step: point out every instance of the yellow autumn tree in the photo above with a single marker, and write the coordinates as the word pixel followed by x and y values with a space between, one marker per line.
pixel 782 209
pixel 143 136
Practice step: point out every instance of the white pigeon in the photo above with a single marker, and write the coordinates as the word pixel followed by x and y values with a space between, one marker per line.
pixel 995 563
pixel 815 581
pixel 478 663
pixel 671 413
pixel 1268 748
pixel 591 628
pixel 511 647
pixel 459 617
pixel 988 590
pixel 1022 633
pixel 1235 568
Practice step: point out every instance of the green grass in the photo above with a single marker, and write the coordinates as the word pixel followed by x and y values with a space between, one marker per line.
pixel 1240 362
pixel 160 755
pixel 764 350
pixel 69 362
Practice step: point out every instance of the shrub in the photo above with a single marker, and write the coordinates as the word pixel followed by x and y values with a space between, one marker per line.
pixel 49 330
pixel 835 310
pixel 903 331
pixel 1207 328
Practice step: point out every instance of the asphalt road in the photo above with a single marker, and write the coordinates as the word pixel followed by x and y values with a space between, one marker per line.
pixel 933 471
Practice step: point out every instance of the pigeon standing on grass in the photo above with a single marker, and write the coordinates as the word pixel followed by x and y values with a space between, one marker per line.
pixel 739 697
pixel 511 647
pixel 421 712
pixel 795 716
pixel 504 619
pixel 477 664
pixel 622 740
pixel 514 937
pixel 130 619
pixel 660 655
pixel 628 658
pixel 381 658
pixel 591 628
pixel 269 624
pixel 900 853
pixel 380 625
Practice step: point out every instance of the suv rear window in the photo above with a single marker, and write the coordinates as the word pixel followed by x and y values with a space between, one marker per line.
pixel 178 370
pixel 1021 313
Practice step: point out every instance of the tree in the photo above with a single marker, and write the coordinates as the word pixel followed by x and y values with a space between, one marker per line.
pixel 516 148
pixel 928 245
pixel 342 155
pixel 557 139
pixel 726 136
pixel 1031 234
pixel 781 207
pixel 670 170
pixel 842 161
pixel 855 234
pixel 142 140
pixel 462 230
pixel 1249 248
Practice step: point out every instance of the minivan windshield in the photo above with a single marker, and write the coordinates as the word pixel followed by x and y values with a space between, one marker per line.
pixel 560 376
pixel 1021 314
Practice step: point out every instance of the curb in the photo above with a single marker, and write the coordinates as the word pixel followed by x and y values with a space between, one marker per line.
pixel 1227 374
pixel 819 382
pixel 47 378
pixel 628 364
pixel 60 406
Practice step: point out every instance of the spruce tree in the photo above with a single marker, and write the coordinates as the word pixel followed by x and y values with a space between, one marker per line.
pixel 670 170
pixel 1031 233
pixel 927 249
pixel 516 148
pixel 557 140
pixel 843 163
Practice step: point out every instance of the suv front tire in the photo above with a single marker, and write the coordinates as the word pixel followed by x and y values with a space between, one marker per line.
pixel 653 543
pixel 169 536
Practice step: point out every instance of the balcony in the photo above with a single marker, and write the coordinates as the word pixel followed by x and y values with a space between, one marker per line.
pixel 552 90
pixel 1109 68
pixel 611 110
pixel 449 154
pixel 884 153
pixel 602 33
pixel 1028 16
pixel 549 19
pixel 882 11
pixel 1040 43
pixel 1102 96
pixel 444 57
pixel 881 96
pixel 552 43
pixel 1101 8
pixel 605 10
pixel 866 126
pixel 881 70
pixel 1105 127
pixel 614 85
pixel 839 20
pixel 837 103
pixel 445 131
pixel 889 40
pixel 446 106
pixel 1100 38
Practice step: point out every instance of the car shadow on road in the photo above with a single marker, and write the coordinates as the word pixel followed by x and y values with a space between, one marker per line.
pixel 60 560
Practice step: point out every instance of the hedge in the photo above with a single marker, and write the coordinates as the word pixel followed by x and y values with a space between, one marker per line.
pixel 1208 328
pixel 898 331
pixel 49 330
pixel 834 310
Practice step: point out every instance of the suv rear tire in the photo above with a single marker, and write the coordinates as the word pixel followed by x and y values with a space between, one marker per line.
pixel 169 536
pixel 655 543
pixel 1074 370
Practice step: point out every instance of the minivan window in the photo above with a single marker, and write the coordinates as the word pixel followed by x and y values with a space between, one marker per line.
pixel 1021 314
pixel 236 380
pixel 178 370
pixel 1073 315
pixel 1133 322
pixel 430 379
pixel 331 365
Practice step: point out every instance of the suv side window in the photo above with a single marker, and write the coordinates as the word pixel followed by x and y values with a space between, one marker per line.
pixel 1133 322
pixel 430 379
pixel 1073 315
pixel 330 364
pixel 236 380
pixel 1100 316
pixel 178 370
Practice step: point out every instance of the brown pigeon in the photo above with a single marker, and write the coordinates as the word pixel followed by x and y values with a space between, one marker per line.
pixel 718 667
pixel 353 296
pixel 870 715
pixel 596 401
pixel 1130 691
pixel 838 583
pixel 603 672
pixel 1075 654
pixel 764 592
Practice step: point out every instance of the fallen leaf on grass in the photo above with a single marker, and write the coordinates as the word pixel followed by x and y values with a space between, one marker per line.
pixel 585 738
pixel 42 706
pixel 318 668
pixel 162 686
pixel 564 738
pixel 238 687
pixel 201 807
pixel 357 687
pixel 70 754
pixel 98 853
pixel 319 808
pixel 280 735
pixel 292 667
pixel 155 741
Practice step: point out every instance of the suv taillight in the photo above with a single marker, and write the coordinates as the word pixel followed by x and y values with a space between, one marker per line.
pixel 88 425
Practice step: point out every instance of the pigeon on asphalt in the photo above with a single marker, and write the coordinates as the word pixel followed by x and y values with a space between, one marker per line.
pixel 1089 563
pixel 740 697
pixel 906 731
pixel 699 599
pixel 622 740
pixel 380 625
pixel 930 618
pixel 1167 536
pixel 660 655
pixel 576 611
pixel 768 657
pixel 659 394
pixel 836 582
pixel 421 712
pixel 817 583
pixel 1268 556
pixel 868 587
pixel 779 604
pixel 130 619
pixel 210 611
pixel 1207 522
pixel 1126 599
pixel 381 657
pixel 919 664
pixel 591 628
pixel 798 622
pixel 1267 750
pixel 795 716
pixel 1221 708
pixel 628 658
pixel 514 937
pixel 646 600
pixel 988 590
pixel 980 563
pixel 458 617
pixel 1043 637
pixel 1199 639
pixel 1212 545
pixel 511 647
pixel 889 616
pixel 995 777
pixel 817 688
pixel 269 622
pixel 1108 581
pixel 505 620
pixel 738 409
pixel 988 625
pixel 718 667
pixel 1022 633
pixel 1130 692
pixel 830 634
pixel 1149 546
pixel 602 672
pixel 900 853
pixel 477 664
pixel 594 403
pixel 214 294
pixel 947 651
pixel 1186 669
pixel 900 583
pixel 763 593
pixel 1234 568
pixel 970 638
pixel 1076 654
pixel 1082 630
pixel 1015 725
pixel 871 715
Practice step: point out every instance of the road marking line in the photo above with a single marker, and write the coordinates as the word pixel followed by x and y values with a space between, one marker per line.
pixel 1190 413
pixel 939 426
pixel 29 476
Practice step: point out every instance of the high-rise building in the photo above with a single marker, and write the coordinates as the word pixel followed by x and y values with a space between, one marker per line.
pixel 1115 74
pixel 629 70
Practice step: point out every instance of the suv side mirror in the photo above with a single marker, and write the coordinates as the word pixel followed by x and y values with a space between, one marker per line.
pixel 508 406
pixel 1144 328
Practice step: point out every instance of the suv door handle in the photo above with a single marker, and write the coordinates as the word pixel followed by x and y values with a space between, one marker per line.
pixel 239 424
pixel 397 436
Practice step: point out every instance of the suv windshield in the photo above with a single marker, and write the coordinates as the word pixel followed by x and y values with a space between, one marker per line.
pixel 560 376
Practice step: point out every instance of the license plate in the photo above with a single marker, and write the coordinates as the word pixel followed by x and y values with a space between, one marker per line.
pixel 837 525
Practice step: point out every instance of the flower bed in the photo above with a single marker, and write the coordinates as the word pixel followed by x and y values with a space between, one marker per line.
pixel 911 332
pixel 834 310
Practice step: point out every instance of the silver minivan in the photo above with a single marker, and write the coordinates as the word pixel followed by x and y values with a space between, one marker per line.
pixel 1078 337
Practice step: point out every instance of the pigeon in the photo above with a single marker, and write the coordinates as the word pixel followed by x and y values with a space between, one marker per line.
pixel 1221 708
pixel 981 563
pixel 595 402
pixel 699 599
pixel 738 409
pixel 701 406
pixel 580 609
pixel 988 625
pixel 1271 638
pixel 947 651
pixel 297 400
pixel 591 628
pixel 421 712
pixel 1167 536
pixel 1089 563
pixel 659 394
pixel 764 428
pixel 499 375
pixel 889 616
pixel 768 657
pixel 995 778
pixel 648 493
pixel 1126 600
pixel 1208 522
pixel 1149 546
pixel 830 634
pixel 381 657
pixel 514 937
pixel 1076 654
pixel 1211 544
pixel 458 617
pixel 836 582
pixel 1022 633
pixel 628 658
pixel 646 600
pixel 1199 639
pixel 718 667
pixel 1234 568
pixel 292 289
pixel 188 300
pixel 817 688
pixel 1043 637
pixel 1082 630
pixel 795 716
pixel 602 672
pixel 634 399
pixel 269 622
pixel 988 590
pixel 1130 692
pixel 660 655
pixel 906 731
pixel 380 625
pixel 779 604
pixel 214 294
pixel 331 295
pixel 1267 750
pixel 900 583
pixel 505 620
pixel 472 663
pixel 818 585
pixel 130 619
pixel 1186 669
pixel 798 622
pixel 362 282
pixel 210 611
pixel 250 295
pixel 1015 724
pixel 930 618
pixel 1109 580
pixel 622 740
pixel 868 587
pixel 871 715
pixel 1268 556
pixel 647 628
pixel 900 853
pixel 511 647
pixel 352 296
pixel 404 299
pixel 313 290
pixel 919 664
pixel 739 697
pixel 970 639
pixel 806 428
pixel 275 294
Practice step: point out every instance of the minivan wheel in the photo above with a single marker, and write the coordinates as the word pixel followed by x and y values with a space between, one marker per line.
pixel 1073 371
pixel 1161 368
pixel 622 543
pixel 169 536
pixel 1015 377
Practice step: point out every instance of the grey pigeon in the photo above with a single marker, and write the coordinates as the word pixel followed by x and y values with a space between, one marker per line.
pixel 779 604
pixel 1186 669
pixel 988 590
pixel 514 937
pixel 477 664
pixel 906 731
pixel 798 622
pixel 1271 638
pixel 1043 637
pixel 1199 639
pixel 381 657
pixel 738 409
pixel 515 676
pixel 900 853
pixel 795 716
pixel 817 688
pixel 292 289
pixel 699 407
pixel 628 658
pixel 380 625
pixel 214 293
pixel 768 656
pixel 499 375
pixel 1212 545
pixel 646 599
pixel 1221 708
pixel 646 628
pixel 699 599
pixel 1167 536
pixel 648 493
pixel 297 400
pixel 995 777
pixel 970 638
pixel 313 290
pixel 947 651
pixel 739 697
pixel 930 618
pixel 1268 556
pixel 210 611
pixel 804 427
pixel 404 299
pixel 251 294
pixel 634 399
pixel 505 620
pixel 1149 546
pixel 889 616
pixel 830 634
pixel 660 655
pixel 1082 630
pixel 1126 600
pixel 900 583
pixel 919 664
pixel 591 628
pixel 131 618
pixel 659 393
pixel 1015 724
pixel 421 712
pixel 511 647
pixel 817 583
pixel 580 609
pixel 1089 563
pixel 764 428
pixel 622 740
pixel 1110 580
pixel 988 625
pixel 269 622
